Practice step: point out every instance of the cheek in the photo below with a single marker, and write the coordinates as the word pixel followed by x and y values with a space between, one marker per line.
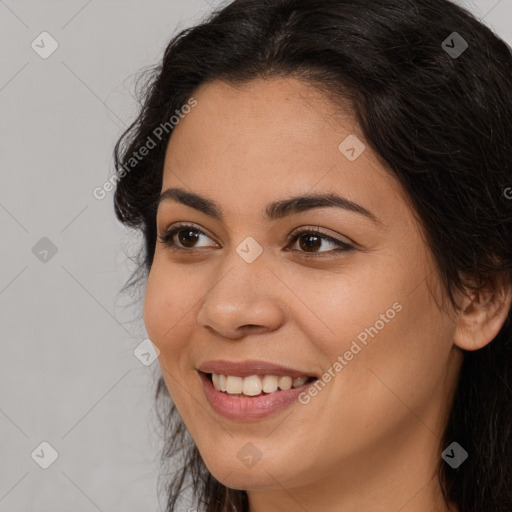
pixel 391 367
pixel 393 340
pixel 155 308
pixel 168 317
pixel 166 307
pixel 358 303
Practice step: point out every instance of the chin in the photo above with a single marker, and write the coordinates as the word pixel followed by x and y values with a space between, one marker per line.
pixel 247 479
pixel 236 475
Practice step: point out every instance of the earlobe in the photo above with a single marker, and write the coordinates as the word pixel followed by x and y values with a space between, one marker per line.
pixel 482 315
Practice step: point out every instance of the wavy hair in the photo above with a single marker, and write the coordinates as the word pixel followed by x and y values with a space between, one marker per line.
pixel 442 126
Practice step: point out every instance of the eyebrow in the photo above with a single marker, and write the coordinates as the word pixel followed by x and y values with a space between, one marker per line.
pixel 273 211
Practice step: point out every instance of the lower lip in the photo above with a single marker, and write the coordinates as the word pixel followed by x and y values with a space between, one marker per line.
pixel 249 408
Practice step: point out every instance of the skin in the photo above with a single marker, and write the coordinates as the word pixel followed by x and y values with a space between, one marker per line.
pixel 370 440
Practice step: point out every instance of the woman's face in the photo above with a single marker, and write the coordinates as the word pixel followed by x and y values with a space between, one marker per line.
pixel 240 290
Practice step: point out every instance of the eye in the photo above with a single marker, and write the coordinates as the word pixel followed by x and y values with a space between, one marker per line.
pixel 309 240
pixel 188 235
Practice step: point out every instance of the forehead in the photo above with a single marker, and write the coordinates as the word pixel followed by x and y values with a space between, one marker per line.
pixel 275 113
pixel 267 139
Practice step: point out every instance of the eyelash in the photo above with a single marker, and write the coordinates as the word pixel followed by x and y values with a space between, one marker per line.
pixel 167 237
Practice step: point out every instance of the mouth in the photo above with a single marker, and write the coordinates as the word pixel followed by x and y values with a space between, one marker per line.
pixel 253 397
pixel 256 385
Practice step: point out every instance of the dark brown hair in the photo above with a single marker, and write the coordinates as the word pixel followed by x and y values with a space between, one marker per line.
pixel 441 123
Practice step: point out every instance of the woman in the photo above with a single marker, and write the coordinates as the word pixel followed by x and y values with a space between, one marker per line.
pixel 322 189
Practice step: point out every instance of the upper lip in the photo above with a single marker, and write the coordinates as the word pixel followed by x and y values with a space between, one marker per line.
pixel 250 367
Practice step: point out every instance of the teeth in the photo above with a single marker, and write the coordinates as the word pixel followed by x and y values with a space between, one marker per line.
pixel 222 382
pixel 251 386
pixel 270 383
pixel 299 381
pixel 254 385
pixel 285 383
pixel 234 385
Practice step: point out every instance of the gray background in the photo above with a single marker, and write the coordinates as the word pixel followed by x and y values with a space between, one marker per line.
pixel 69 375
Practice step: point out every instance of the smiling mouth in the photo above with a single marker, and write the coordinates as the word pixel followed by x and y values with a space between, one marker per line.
pixel 256 385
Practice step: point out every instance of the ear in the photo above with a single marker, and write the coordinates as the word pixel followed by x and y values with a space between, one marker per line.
pixel 482 315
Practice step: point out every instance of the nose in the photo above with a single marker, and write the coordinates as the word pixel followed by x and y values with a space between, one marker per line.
pixel 244 300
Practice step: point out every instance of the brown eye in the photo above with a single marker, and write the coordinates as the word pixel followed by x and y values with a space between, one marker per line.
pixel 311 241
pixel 186 236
